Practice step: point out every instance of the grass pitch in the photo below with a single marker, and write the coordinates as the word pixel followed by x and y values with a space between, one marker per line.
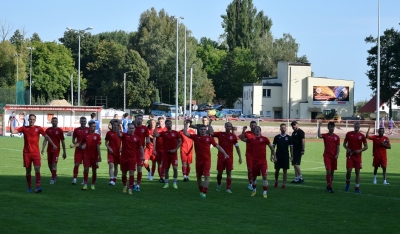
pixel 305 208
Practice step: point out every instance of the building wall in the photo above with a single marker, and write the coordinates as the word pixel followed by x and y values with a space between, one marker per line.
pixel 275 100
pixel 294 86
pixel 292 94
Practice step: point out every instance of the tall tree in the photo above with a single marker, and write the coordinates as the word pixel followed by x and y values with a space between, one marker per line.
pixel 52 68
pixel 8 65
pixel 35 38
pixel 5 29
pixel 240 68
pixel 17 39
pixel 156 43
pixel 389 65
pixel 242 24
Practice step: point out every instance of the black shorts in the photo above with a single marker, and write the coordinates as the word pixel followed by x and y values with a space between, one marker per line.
pixel 282 162
pixel 296 158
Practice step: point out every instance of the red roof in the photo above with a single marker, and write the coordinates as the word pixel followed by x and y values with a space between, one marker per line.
pixel 370 106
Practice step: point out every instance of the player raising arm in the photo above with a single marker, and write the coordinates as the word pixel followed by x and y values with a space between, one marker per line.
pixel 31 153
pixel 202 143
pixel 379 146
pixel 260 165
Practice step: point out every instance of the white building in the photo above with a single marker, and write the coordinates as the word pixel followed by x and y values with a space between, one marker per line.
pixel 295 94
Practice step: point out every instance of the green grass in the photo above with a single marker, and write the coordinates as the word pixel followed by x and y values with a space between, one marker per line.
pixel 305 208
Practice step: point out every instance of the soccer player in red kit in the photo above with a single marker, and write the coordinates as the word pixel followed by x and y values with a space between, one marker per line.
pixel 148 152
pixel 113 144
pixel 56 134
pixel 91 144
pixel 249 152
pixel 78 135
pixel 31 153
pixel 202 143
pixel 131 145
pixel 260 165
pixel 159 146
pixel 172 142
pixel 186 152
pixel 380 144
pixel 331 152
pixel 142 132
pixel 226 140
pixel 353 143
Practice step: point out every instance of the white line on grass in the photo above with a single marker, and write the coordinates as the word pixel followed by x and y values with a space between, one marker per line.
pixel 11 149
pixel 339 191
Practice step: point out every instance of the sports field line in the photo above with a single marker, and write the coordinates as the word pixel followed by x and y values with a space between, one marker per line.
pixel 11 149
pixel 340 191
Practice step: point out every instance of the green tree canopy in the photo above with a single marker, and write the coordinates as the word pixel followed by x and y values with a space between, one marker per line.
pixel 389 65
pixel 52 66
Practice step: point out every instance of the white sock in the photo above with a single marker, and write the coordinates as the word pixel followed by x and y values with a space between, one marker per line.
pixel 374 177
pixel 384 181
pixel 175 180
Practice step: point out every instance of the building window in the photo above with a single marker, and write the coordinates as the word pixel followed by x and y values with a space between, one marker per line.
pixel 383 107
pixel 261 113
pixel 268 114
pixel 266 92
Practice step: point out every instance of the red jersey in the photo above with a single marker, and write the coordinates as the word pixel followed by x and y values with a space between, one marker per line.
pixel 226 141
pixel 80 134
pixel 379 150
pixel 31 138
pixel 355 141
pixel 202 147
pixel 159 140
pixel 258 144
pixel 114 141
pixel 91 141
pixel 187 143
pixel 249 135
pixel 170 140
pixel 56 135
pixel 130 147
pixel 142 132
pixel 150 146
pixel 331 142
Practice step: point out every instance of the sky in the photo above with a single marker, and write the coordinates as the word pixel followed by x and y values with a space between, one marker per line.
pixel 330 33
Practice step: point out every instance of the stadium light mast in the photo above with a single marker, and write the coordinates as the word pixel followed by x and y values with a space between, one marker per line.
pixel 184 86
pixel 378 76
pixel 177 70
pixel 125 89
pixel 79 31
pixel 30 77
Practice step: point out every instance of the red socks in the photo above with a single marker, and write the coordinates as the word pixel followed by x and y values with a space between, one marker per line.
pixel 37 179
pixel 29 181
pixel 76 171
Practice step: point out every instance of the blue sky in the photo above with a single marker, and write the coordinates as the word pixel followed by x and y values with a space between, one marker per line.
pixel 331 33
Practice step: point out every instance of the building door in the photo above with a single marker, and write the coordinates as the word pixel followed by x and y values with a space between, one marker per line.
pixel 314 115
pixel 277 114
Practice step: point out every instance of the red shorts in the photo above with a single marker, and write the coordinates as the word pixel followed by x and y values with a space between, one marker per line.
pixel 249 162
pixel 79 155
pixel 330 163
pixel 225 164
pixel 354 162
pixel 187 157
pixel 379 161
pixel 148 154
pixel 128 165
pixel 203 168
pixel 159 156
pixel 91 162
pixel 259 168
pixel 31 158
pixel 52 157
pixel 113 158
pixel 170 159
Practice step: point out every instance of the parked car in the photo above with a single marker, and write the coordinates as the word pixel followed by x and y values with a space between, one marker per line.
pixel 250 118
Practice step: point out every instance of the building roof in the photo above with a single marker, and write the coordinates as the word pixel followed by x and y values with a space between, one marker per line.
pixel 370 106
